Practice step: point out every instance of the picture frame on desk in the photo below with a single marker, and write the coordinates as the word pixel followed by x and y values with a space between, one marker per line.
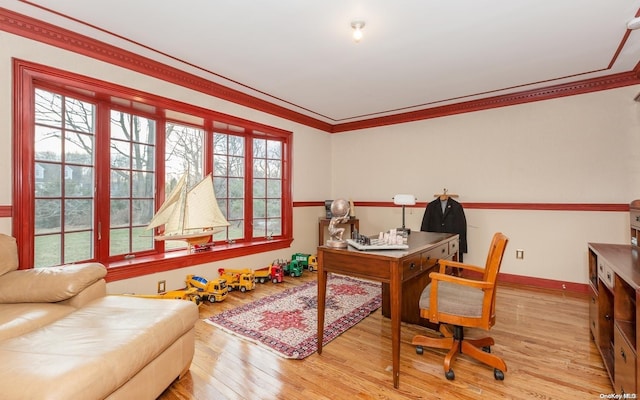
pixel 327 208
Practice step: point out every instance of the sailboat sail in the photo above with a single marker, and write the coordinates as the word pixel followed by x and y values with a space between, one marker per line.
pixel 192 213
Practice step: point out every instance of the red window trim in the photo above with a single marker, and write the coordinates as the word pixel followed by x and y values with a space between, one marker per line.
pixel 25 74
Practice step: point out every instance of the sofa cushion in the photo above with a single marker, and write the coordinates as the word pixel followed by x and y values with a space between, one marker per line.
pixel 93 351
pixel 45 285
pixel 8 254
pixel 18 319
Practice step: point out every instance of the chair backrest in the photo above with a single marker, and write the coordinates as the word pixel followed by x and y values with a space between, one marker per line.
pixel 492 268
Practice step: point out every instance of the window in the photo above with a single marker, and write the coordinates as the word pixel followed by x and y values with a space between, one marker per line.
pixel 102 161
pixel 63 191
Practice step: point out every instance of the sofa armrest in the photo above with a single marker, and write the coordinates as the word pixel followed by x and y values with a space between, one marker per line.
pixel 47 285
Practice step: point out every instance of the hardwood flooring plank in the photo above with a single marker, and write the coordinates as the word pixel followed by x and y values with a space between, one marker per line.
pixel 543 336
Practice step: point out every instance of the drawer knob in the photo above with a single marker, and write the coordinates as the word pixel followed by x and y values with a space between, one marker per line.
pixel 412 266
pixel 623 355
pixel 607 317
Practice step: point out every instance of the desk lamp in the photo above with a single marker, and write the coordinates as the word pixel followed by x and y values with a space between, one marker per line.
pixel 404 200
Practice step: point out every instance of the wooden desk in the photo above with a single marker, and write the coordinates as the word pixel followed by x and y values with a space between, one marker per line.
pixel 323 223
pixel 392 268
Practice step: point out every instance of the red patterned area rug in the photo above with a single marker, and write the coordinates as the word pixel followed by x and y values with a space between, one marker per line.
pixel 286 323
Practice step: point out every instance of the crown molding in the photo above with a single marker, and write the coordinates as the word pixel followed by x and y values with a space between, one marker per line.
pixel 44 32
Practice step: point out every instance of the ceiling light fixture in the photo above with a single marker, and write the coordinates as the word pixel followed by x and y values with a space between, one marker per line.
pixel 357 30
pixel 634 23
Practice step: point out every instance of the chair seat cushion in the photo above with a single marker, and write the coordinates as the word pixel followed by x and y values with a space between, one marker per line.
pixel 455 299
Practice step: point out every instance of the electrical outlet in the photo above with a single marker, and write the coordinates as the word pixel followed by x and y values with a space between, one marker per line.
pixel 520 254
pixel 162 286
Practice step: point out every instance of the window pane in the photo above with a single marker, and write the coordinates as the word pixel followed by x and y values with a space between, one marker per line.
pixel 236 209
pixel 184 152
pixel 48 107
pixel 78 181
pixel 120 125
pixel 142 212
pixel 120 181
pixel 142 239
pixel 259 148
pixel 274 188
pixel 274 169
pixel 119 241
pixel 78 246
pixel 78 214
pixel 259 168
pixel 259 188
pixel 143 157
pixel 48 182
pixel 48 144
pixel 274 208
pixel 47 251
pixel 120 154
pixel 236 188
pixel 48 217
pixel 79 115
pixel 143 184
pixel 274 226
pixel 120 213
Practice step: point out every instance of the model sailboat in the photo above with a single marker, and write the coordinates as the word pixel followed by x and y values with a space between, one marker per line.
pixel 191 215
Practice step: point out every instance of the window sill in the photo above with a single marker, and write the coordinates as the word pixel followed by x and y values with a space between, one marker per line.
pixel 180 259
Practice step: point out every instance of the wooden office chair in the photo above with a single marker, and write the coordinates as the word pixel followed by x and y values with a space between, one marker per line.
pixel 457 302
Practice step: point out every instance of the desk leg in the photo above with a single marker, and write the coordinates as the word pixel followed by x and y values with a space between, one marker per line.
pixel 322 290
pixel 396 315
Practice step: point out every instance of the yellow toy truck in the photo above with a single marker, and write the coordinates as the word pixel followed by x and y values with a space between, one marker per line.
pixel 238 279
pixel 190 294
pixel 212 290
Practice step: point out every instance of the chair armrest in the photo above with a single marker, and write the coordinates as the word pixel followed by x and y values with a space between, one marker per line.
pixel 455 264
pixel 437 276
pixel 48 285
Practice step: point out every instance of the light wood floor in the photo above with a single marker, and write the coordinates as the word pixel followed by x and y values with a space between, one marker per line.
pixel 542 335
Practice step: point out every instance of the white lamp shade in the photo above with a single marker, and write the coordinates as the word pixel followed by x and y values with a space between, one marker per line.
pixel 404 199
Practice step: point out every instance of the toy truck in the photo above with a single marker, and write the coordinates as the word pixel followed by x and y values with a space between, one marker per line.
pixel 238 279
pixel 190 294
pixel 306 261
pixel 212 290
pixel 293 268
pixel 273 273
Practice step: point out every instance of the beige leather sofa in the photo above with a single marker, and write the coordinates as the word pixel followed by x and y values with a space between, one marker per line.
pixel 62 337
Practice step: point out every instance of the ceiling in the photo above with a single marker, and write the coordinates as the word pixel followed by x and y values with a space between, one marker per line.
pixel 414 54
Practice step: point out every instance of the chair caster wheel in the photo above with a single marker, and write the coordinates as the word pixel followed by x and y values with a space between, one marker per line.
pixel 450 375
pixel 499 375
pixel 419 350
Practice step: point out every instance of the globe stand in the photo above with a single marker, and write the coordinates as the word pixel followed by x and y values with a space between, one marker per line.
pixel 336 244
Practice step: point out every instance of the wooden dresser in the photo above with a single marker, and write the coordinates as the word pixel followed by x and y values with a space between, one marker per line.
pixel 614 284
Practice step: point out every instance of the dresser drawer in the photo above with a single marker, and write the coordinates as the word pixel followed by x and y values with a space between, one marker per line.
pixel 605 273
pixel 411 267
pixel 593 314
pixel 634 216
pixel 625 365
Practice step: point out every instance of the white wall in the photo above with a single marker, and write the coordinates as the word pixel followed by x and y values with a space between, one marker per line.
pixel 579 149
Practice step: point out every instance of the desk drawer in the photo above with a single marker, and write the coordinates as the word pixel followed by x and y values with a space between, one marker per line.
pixel 453 247
pixel 411 267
